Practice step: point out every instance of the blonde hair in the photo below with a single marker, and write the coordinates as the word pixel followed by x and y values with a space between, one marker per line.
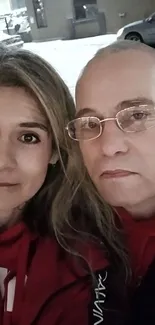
pixel 67 205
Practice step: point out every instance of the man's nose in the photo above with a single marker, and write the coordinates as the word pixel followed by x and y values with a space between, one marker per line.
pixel 113 140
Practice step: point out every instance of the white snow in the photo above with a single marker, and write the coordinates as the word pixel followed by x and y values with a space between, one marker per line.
pixel 70 57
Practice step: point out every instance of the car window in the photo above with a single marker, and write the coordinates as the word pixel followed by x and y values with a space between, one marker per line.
pixel 153 17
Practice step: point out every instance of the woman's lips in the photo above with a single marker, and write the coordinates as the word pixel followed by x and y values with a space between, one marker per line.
pixel 118 173
pixel 8 184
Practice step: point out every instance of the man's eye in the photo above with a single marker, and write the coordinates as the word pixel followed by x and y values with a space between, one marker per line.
pixel 89 124
pixel 29 138
pixel 92 125
pixel 139 115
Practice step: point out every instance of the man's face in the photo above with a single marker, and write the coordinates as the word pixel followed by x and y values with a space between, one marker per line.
pixel 121 165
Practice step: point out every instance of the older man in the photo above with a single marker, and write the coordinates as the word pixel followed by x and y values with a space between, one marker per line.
pixel 115 127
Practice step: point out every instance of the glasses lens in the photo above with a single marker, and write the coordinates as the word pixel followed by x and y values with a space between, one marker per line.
pixel 84 128
pixel 136 118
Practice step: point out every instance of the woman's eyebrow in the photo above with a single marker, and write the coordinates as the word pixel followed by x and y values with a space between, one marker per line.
pixel 37 125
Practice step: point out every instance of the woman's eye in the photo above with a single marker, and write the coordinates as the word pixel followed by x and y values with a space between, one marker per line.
pixel 29 138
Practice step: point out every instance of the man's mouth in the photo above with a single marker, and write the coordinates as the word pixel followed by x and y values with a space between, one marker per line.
pixel 118 173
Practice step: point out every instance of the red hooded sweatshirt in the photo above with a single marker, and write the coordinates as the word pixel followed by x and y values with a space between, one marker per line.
pixel 40 284
pixel 140 236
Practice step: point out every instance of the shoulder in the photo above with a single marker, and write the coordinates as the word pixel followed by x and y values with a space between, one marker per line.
pixel 85 256
pixel 64 277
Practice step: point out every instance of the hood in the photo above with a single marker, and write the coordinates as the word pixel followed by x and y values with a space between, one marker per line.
pixel 14 252
pixel 135 23
pixel 37 270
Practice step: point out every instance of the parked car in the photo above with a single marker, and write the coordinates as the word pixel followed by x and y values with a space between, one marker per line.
pixel 11 40
pixel 142 31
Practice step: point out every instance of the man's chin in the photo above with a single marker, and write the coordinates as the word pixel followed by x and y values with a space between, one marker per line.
pixel 119 200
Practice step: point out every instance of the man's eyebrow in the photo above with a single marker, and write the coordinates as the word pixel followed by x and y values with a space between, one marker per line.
pixel 134 102
pixel 84 111
pixel 32 125
pixel 121 105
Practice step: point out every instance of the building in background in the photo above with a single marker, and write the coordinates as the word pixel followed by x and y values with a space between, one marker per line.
pixel 64 19
pixel 85 9
pixel 14 19
pixel 17 4
pixel 7 5
pixel 67 19
pixel 121 12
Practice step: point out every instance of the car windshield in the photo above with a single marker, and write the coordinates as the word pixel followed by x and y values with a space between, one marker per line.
pixel 151 17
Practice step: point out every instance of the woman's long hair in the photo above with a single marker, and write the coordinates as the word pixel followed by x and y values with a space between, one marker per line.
pixel 67 205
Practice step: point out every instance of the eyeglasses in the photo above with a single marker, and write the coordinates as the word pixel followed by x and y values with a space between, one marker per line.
pixel 132 119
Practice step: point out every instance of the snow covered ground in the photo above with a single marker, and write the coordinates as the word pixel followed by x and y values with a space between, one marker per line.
pixel 69 57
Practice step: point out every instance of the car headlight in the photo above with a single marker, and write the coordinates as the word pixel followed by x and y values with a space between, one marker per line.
pixel 120 32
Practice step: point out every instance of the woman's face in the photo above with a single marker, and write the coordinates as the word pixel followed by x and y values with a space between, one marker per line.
pixel 25 150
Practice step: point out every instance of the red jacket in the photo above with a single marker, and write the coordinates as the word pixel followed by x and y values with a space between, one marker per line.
pixel 141 243
pixel 46 286
pixel 140 236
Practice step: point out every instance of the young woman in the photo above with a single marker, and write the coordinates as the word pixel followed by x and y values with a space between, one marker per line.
pixel 53 268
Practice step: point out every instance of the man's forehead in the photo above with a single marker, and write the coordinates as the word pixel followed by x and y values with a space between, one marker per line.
pixel 127 82
pixel 121 58
pixel 115 66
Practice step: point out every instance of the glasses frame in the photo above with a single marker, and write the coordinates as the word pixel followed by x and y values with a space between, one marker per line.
pixel 116 119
